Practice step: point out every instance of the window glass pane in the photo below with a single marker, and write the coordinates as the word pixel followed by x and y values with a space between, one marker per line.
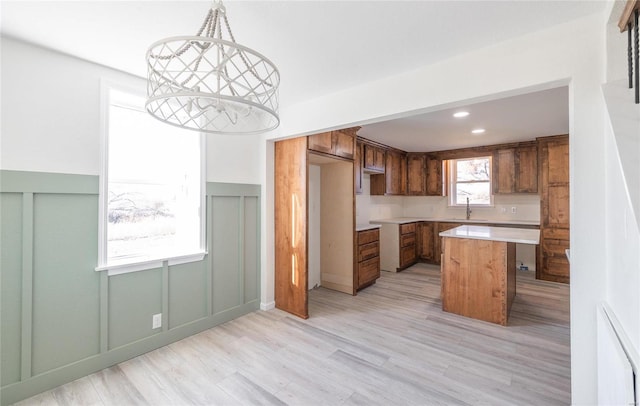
pixel 473 170
pixel 154 185
pixel 478 193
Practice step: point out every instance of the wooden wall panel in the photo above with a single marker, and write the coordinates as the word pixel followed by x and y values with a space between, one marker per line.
pixel 290 204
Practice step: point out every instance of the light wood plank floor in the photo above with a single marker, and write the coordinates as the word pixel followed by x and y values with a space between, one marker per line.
pixel 391 344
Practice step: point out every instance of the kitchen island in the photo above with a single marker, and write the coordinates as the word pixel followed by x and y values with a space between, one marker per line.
pixel 479 270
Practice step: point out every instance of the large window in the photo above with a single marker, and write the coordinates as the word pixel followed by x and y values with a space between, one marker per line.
pixel 151 187
pixel 470 179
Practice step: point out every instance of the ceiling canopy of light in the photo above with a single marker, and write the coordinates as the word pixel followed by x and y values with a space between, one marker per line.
pixel 209 83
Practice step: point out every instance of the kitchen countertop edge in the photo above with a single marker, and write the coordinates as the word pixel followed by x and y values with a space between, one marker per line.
pixel 405 220
pixel 365 227
pixel 501 234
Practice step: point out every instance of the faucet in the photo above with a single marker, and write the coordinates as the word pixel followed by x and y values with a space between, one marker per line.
pixel 468 210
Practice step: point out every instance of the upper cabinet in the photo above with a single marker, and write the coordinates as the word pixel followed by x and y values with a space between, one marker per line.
pixel 357 168
pixel 394 179
pixel 373 158
pixel 340 143
pixel 416 174
pixel 424 175
pixel 515 169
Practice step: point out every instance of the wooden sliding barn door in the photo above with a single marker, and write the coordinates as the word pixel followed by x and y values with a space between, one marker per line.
pixel 291 226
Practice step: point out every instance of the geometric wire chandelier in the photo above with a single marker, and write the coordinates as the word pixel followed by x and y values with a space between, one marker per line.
pixel 209 83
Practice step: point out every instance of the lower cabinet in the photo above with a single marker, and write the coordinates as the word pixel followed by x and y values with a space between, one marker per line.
pixel 408 254
pixel 368 258
pixel 426 241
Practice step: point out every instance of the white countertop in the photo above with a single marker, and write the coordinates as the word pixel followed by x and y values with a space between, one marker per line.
pixel 363 227
pixel 504 234
pixel 404 220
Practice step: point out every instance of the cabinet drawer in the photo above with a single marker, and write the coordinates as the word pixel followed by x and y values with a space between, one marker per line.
pixel 367 251
pixel 407 256
pixel 365 237
pixel 368 270
pixel 407 228
pixel 408 239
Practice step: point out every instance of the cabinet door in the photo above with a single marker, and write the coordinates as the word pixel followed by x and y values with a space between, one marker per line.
pixel 526 169
pixel 504 168
pixel 553 159
pixel 407 256
pixel 322 142
pixel 343 144
pixel 434 176
pixel 416 179
pixel 438 240
pixel 357 167
pixel 426 241
pixel 395 173
pixel 374 158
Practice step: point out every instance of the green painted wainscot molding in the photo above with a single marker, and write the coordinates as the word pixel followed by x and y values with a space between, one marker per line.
pixel 62 320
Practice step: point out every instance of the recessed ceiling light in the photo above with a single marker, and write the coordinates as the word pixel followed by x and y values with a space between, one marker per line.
pixel 478 131
pixel 461 114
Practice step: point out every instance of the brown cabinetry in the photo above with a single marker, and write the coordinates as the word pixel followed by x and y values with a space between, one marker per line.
pixel 434 176
pixel 339 143
pixel 515 170
pixel 438 240
pixel 357 169
pixel 424 175
pixel 416 174
pixel 553 156
pixel 368 269
pixel 394 180
pixel 373 158
pixel 407 245
pixel 426 241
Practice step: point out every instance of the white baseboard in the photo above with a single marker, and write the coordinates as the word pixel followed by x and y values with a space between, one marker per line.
pixel 267 306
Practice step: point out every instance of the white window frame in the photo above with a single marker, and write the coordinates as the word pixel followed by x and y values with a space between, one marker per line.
pixel 453 182
pixel 137 88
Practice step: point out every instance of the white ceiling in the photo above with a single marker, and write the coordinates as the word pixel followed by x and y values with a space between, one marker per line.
pixel 517 118
pixel 320 47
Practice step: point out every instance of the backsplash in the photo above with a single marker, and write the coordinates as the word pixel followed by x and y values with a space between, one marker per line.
pixel 527 207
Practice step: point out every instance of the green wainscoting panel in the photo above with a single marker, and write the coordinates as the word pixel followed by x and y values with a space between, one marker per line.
pixel 11 284
pixel 251 248
pixel 133 299
pixel 44 182
pixel 187 293
pixel 226 256
pixel 66 294
pixel 61 320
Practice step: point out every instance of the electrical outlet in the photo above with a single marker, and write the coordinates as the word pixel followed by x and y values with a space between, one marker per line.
pixel 503 210
pixel 156 321
pixel 514 210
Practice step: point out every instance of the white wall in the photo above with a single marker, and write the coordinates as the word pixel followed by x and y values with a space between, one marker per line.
pixel 51 118
pixel 622 153
pixel 571 53
pixel 375 207
pixel 622 248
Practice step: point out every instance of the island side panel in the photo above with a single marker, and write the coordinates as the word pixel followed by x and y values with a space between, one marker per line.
pixel 389 247
pixel 474 278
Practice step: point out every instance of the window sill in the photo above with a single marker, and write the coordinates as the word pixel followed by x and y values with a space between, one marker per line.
pixel 122 268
